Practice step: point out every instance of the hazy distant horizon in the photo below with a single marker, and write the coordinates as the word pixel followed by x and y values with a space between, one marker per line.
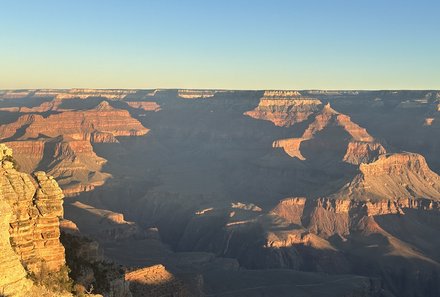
pixel 229 90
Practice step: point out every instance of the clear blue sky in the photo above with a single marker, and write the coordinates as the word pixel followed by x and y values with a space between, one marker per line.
pixel 233 44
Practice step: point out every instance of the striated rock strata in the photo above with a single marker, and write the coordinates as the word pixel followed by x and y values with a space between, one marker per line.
pixel 144 105
pixel 284 108
pixel 393 176
pixel 31 207
pixel 361 146
pixel 61 143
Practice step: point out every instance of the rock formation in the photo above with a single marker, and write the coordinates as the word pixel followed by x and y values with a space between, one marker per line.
pixel 196 94
pixel 73 162
pixel 81 125
pixel 78 125
pixel 30 212
pixel 145 105
pixel 155 281
pixel 37 206
pixel 284 108
pixel 61 143
pixel 361 146
pixel 104 225
pixel 43 107
pixel 393 176
pixel 13 277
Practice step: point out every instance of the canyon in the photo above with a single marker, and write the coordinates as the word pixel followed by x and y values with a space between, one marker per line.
pixel 267 193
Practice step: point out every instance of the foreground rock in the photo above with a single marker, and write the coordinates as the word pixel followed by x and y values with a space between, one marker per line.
pixel 31 207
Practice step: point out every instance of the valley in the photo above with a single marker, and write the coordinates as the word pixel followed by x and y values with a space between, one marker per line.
pixel 270 193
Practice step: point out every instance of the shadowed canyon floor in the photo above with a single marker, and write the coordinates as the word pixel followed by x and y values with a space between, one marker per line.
pixel 246 193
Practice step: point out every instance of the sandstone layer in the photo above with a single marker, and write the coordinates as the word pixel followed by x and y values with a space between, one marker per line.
pixel 361 146
pixel 31 207
pixel 144 105
pixel 61 143
pixel 393 176
pixel 284 108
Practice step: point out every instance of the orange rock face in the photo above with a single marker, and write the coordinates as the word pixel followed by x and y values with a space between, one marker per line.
pixel 284 108
pixel 291 209
pixel 81 125
pixel 393 176
pixel 78 125
pixel 43 107
pixel 155 281
pixel 328 216
pixel 36 203
pixel 363 152
pixel 361 148
pixel 61 142
pixel 9 130
pixel 28 153
pixel 73 162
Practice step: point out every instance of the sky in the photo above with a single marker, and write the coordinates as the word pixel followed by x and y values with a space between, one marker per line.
pixel 226 44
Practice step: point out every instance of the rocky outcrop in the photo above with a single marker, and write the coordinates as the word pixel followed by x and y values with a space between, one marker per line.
pixel 393 176
pixel 37 206
pixel 361 147
pixel 78 125
pixel 291 209
pixel 31 207
pixel 72 162
pixel 363 152
pixel 102 224
pixel 13 277
pixel 43 107
pixel 327 216
pixel 155 281
pixel 28 153
pixel 144 105
pixel 10 130
pixel 90 270
pixel 284 108
pixel 61 143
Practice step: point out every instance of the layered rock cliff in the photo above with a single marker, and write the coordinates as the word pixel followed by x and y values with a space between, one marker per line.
pixel 72 162
pixel 30 210
pixel 43 107
pixel 144 105
pixel 13 276
pixel 80 125
pixel 361 146
pixel 393 176
pixel 36 202
pixel 61 143
pixel 284 108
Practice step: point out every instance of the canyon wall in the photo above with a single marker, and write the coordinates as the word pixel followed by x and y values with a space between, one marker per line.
pixel 284 108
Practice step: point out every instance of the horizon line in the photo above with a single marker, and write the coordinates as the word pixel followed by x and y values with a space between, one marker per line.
pixel 220 89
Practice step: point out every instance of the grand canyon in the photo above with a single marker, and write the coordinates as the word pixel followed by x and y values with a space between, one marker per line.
pixel 188 192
